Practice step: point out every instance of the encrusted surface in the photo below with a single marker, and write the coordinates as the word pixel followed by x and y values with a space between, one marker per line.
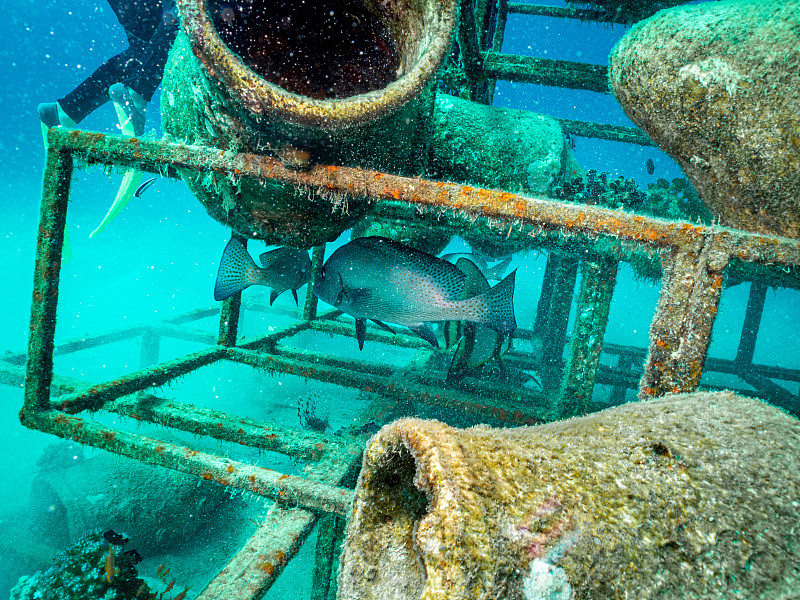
pixel 717 86
pixel 690 496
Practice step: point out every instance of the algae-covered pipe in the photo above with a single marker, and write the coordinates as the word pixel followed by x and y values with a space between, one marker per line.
pixel 343 82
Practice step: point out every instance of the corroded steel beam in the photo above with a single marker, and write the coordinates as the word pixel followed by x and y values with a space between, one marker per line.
pixel 96 396
pixel 514 210
pixel 278 538
pixel 299 443
pixel 499 409
pixel 46 277
pixel 681 329
pixel 288 490
pixel 546 71
pixel 598 279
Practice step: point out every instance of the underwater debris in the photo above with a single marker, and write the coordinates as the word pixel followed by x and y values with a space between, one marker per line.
pixel 89 568
pixel 309 417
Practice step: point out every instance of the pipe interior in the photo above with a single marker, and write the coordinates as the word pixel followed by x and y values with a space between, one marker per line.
pixel 321 49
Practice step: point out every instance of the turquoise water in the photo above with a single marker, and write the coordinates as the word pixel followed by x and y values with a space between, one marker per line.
pixel 159 260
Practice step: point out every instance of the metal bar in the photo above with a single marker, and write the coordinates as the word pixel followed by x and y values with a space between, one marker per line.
pixel 594 302
pixel 514 209
pixel 46 276
pixel 584 14
pixel 149 349
pixel 310 305
pixel 546 71
pixel 496 45
pixel 256 567
pixel 471 57
pixel 501 410
pixel 289 490
pixel 275 542
pixel 618 392
pixel 96 396
pixel 324 555
pixel 752 322
pixel 777 395
pixel 559 304
pixel 681 329
pixel 299 443
pixel 602 131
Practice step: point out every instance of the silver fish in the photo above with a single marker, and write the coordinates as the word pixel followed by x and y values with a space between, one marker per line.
pixel 282 269
pixel 382 280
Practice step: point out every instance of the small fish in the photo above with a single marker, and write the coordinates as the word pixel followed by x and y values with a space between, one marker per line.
pixel 650 165
pixel 112 537
pixel 169 586
pixel 379 279
pixel 144 187
pixel 160 570
pixel 282 269
pixel 109 564
pixel 182 595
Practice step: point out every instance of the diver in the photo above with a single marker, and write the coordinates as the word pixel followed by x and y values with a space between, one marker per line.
pixel 131 77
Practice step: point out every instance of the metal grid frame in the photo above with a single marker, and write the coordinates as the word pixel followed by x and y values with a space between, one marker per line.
pixel 694 260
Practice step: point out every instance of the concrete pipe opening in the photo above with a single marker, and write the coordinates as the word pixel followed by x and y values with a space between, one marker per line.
pixel 324 63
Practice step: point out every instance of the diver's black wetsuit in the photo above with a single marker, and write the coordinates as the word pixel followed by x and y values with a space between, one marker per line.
pixel 151 26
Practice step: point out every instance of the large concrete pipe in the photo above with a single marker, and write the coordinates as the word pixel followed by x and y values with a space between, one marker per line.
pixel 330 81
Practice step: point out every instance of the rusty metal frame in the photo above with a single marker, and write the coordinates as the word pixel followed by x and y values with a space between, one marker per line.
pixel 694 259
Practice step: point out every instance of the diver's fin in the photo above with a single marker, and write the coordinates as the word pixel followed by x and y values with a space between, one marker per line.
pixel 496 272
pixel 130 182
pixel 237 271
pixel 500 306
pixel 296 299
pixel 426 333
pixel 361 332
pixel 383 325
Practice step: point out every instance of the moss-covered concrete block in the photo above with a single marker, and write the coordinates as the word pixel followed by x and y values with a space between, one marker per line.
pixel 717 86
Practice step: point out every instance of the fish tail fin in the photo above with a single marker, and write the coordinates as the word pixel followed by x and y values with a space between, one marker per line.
pixel 237 271
pixel 499 302
pixel 496 272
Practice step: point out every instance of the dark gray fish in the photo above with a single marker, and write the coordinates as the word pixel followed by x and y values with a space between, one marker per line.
pixel 650 165
pixel 382 280
pixel 282 269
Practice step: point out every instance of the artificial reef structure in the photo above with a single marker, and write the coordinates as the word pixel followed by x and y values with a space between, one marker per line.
pixel 339 83
pixel 691 496
pixel 642 499
pixel 717 86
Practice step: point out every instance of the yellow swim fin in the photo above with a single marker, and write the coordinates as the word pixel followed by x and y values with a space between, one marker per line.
pixel 126 191
pixel 131 179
